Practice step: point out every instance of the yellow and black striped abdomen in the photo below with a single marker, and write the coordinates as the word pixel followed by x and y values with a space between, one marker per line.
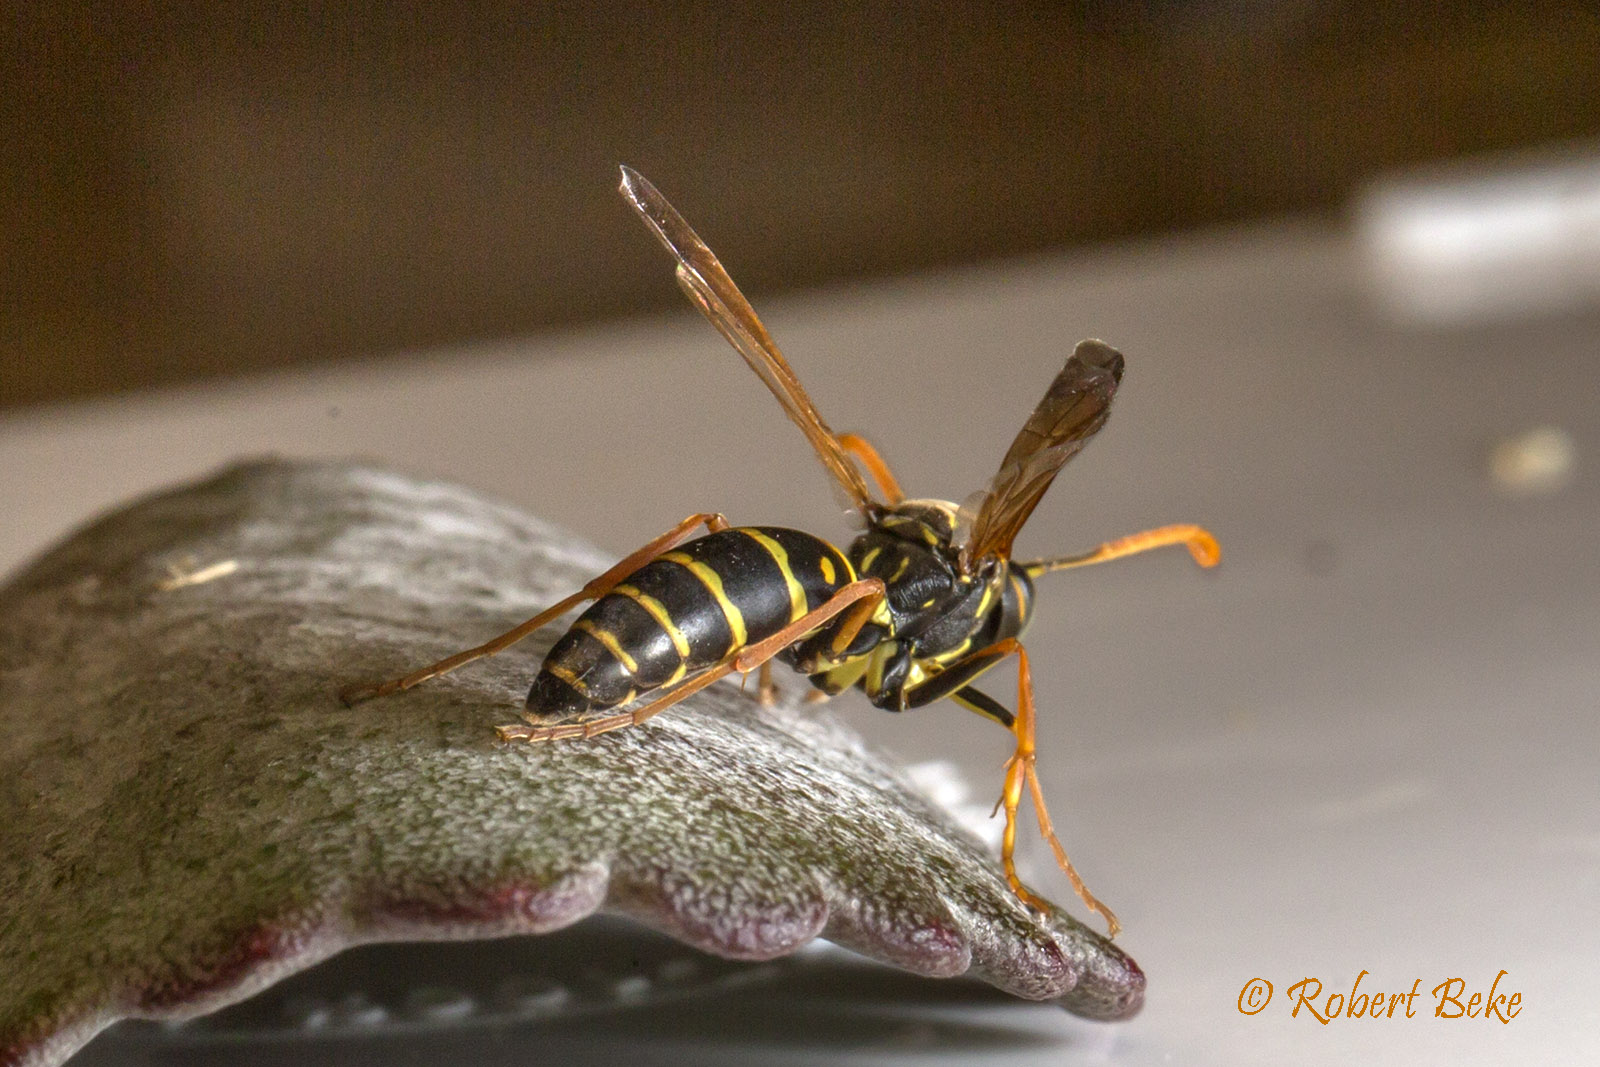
pixel 683 612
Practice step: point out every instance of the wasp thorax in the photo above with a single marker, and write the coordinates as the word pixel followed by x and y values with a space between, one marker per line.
pixel 927 522
pixel 909 549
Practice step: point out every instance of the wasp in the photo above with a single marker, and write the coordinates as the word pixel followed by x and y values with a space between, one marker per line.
pixel 924 601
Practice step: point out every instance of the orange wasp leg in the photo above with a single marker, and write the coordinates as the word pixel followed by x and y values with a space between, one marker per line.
pixel 868 457
pixel 713 521
pixel 860 598
pixel 766 688
pixel 1021 772
pixel 1201 544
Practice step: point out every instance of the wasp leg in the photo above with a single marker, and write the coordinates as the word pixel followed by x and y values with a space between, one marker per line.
pixel 835 678
pixel 862 450
pixel 713 521
pixel 766 688
pixel 1200 542
pixel 952 682
pixel 1020 770
pixel 984 704
pixel 855 602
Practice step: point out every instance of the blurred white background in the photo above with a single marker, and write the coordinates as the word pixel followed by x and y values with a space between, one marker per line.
pixel 1367 741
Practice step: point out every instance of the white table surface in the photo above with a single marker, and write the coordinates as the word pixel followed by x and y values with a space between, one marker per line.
pixel 1369 741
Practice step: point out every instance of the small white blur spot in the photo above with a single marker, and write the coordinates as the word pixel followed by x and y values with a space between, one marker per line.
pixel 1539 460
pixel 177 578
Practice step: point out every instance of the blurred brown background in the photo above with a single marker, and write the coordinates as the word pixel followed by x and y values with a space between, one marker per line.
pixel 194 194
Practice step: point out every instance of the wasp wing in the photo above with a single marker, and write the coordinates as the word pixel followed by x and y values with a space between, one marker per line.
pixel 1072 411
pixel 711 290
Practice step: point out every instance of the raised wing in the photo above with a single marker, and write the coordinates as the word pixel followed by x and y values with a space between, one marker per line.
pixel 711 290
pixel 1072 411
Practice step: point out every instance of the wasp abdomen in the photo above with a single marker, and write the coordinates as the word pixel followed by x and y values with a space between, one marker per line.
pixel 682 612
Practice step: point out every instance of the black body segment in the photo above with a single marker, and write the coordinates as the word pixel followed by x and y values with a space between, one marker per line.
pixel 938 620
pixel 683 612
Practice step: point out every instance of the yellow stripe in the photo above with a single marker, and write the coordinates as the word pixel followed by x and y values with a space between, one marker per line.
pixel 1022 596
pixel 562 672
pixel 845 675
pixel 677 675
pixel 866 561
pixel 658 613
pixel 607 638
pixel 797 593
pixel 905 561
pixel 970 706
pixel 985 600
pixel 952 654
pixel 713 583
pixel 826 565
pixel 877 660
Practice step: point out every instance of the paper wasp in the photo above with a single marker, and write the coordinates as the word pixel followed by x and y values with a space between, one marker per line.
pixel 926 599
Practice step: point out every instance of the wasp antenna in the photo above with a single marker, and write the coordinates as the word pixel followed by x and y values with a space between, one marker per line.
pixel 1197 539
